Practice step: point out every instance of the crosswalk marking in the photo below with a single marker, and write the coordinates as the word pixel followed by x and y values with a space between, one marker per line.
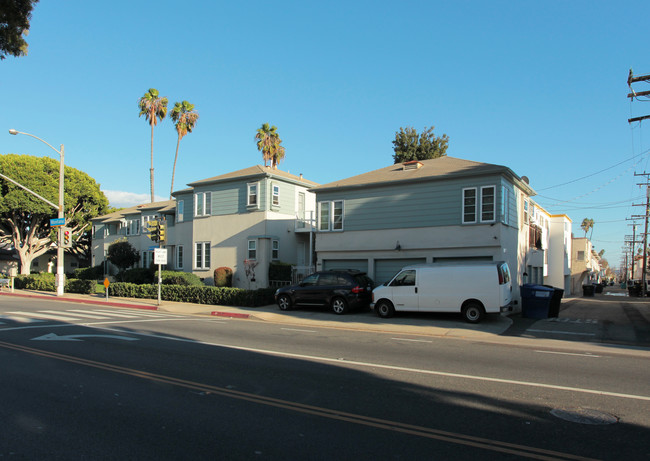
pixel 69 315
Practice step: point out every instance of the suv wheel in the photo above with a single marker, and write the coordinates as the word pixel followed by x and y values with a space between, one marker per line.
pixel 339 306
pixel 284 303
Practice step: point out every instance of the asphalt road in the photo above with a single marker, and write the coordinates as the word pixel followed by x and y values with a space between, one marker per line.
pixel 91 382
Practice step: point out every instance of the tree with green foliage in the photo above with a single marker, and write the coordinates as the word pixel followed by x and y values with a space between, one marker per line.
pixel 409 145
pixel 269 144
pixel 154 109
pixel 586 225
pixel 184 117
pixel 122 254
pixel 14 26
pixel 25 219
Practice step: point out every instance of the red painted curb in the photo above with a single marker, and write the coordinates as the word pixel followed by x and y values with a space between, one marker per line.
pixel 230 314
pixel 83 301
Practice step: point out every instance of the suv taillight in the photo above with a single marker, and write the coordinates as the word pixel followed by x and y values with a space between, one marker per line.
pixel 500 271
pixel 358 289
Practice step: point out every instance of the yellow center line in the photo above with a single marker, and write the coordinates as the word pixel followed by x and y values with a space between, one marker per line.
pixel 420 431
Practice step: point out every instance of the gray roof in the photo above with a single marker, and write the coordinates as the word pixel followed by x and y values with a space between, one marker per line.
pixel 119 215
pixel 434 169
pixel 252 172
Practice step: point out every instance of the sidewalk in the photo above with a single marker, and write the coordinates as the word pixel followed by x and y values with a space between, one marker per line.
pixel 583 324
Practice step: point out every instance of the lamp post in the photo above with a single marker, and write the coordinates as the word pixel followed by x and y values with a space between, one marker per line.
pixel 60 277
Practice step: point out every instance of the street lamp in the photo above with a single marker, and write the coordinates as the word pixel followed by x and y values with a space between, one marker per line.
pixel 60 280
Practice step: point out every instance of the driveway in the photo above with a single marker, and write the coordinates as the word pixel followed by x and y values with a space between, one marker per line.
pixel 608 317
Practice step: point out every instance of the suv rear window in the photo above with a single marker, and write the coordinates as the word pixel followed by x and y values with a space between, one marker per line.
pixel 363 280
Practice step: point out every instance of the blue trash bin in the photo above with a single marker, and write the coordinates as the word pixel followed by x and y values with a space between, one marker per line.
pixel 536 301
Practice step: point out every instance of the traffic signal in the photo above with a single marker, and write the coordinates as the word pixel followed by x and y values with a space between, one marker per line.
pixel 162 231
pixel 154 230
pixel 66 237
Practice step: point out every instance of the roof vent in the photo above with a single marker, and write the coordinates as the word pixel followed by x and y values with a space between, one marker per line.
pixel 412 165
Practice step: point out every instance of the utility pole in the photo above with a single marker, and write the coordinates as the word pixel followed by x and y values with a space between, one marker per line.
pixel 644 240
pixel 637 94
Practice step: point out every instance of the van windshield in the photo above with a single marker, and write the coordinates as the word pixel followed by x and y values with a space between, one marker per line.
pixel 404 278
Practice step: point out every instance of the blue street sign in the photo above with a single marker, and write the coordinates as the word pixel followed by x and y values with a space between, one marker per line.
pixel 57 222
pixel 153 248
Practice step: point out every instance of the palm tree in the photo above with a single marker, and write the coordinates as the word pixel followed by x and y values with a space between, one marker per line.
pixel 586 225
pixel 268 142
pixel 154 108
pixel 185 117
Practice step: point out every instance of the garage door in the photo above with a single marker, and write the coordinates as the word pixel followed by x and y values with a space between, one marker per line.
pixel 386 268
pixel 358 264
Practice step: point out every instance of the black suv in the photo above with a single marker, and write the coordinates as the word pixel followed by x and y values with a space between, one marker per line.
pixel 339 289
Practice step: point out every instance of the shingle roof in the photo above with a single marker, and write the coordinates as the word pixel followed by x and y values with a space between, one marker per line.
pixel 257 170
pixel 166 205
pixel 438 168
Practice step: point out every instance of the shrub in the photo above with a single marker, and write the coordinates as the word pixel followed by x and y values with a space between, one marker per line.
pixel 178 278
pixel 280 271
pixel 90 273
pixel 80 286
pixel 136 275
pixel 223 277
pixel 195 294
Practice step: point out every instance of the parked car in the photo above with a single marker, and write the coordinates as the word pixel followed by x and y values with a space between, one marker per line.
pixel 340 290
pixel 472 289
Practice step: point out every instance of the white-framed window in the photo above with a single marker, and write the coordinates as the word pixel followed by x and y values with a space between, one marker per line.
pixel 337 215
pixel 132 227
pixel 202 204
pixel 202 255
pixel 525 211
pixel 276 195
pixel 179 257
pixel 275 250
pixel 180 210
pixel 487 203
pixel 330 215
pixel 147 257
pixel 505 202
pixel 469 205
pixel 324 216
pixel 251 194
pixel 252 249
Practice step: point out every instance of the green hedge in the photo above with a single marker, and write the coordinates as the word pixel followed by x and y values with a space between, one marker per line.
pixel 45 282
pixel 195 294
pixel 178 278
pixel 90 273
pixel 280 271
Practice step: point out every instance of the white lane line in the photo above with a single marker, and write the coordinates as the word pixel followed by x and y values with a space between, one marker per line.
pixel 20 319
pixel 396 368
pixel 115 314
pixel 296 329
pixel 411 340
pixel 562 332
pixel 569 353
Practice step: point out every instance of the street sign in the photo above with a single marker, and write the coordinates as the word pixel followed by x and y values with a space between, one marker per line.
pixel 57 222
pixel 160 256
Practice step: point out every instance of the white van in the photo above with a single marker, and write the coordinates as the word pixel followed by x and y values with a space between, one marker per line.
pixel 472 288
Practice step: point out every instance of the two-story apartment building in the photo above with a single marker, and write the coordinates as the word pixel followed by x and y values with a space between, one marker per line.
pixel 130 224
pixel 585 265
pixel 443 209
pixel 242 220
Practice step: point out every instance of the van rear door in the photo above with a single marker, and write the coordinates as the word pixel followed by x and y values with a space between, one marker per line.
pixel 404 291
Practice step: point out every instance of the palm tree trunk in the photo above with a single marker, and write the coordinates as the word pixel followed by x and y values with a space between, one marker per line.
pixel 178 142
pixel 151 170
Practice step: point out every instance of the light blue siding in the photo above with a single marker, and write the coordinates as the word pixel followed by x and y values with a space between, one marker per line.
pixel 419 204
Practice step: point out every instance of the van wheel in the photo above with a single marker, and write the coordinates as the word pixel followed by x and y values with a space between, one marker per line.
pixel 339 306
pixel 384 309
pixel 284 303
pixel 473 312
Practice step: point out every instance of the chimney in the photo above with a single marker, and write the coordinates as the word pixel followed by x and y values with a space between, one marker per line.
pixel 301 176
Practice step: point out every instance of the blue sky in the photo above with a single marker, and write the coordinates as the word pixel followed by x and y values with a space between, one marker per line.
pixel 539 87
